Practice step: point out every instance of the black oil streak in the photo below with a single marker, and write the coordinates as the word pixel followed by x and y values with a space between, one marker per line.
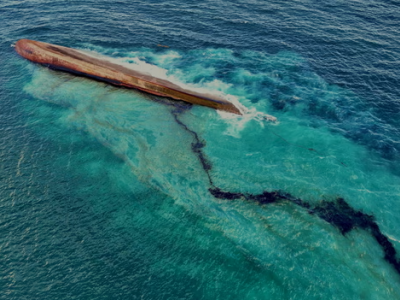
pixel 197 145
pixel 338 213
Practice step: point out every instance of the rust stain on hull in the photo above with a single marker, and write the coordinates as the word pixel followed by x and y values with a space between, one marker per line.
pixel 74 61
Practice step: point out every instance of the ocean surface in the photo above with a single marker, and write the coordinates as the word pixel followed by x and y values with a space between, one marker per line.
pixel 108 193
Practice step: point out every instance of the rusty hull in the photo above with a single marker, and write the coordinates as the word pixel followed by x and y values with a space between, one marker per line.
pixel 76 62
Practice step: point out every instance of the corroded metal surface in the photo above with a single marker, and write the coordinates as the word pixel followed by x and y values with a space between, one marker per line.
pixel 77 62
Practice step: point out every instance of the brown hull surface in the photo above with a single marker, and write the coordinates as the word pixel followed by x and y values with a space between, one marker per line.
pixel 77 62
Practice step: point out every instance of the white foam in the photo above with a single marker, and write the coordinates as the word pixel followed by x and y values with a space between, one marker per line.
pixel 153 70
pixel 215 87
pixel 238 122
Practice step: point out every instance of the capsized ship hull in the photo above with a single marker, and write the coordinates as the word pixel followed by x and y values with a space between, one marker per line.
pixel 76 62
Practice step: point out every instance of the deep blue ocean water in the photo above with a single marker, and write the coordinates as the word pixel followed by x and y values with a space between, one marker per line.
pixel 102 195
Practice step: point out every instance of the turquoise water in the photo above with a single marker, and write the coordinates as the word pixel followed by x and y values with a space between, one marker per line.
pixel 104 194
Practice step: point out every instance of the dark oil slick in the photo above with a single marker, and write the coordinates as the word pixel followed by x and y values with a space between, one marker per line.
pixel 338 213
